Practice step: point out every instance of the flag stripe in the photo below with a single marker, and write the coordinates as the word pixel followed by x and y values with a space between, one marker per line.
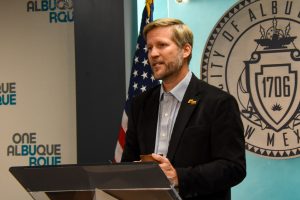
pixel 121 138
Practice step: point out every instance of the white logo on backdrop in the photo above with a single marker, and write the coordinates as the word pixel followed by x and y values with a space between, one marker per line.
pixel 253 54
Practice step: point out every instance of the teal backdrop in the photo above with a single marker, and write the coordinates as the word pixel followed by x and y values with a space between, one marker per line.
pixel 266 179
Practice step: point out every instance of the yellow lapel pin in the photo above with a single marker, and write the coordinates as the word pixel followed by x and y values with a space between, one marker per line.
pixel 192 102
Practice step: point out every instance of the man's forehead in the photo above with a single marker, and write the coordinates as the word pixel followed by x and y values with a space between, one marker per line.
pixel 159 32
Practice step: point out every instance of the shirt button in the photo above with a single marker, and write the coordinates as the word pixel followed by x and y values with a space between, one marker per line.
pixel 163 134
pixel 166 114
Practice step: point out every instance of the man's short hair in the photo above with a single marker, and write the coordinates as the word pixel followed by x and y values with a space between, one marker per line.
pixel 182 34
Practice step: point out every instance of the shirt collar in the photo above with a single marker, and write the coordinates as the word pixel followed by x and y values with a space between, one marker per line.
pixel 179 90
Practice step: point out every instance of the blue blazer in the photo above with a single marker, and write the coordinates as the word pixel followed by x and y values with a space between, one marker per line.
pixel 207 146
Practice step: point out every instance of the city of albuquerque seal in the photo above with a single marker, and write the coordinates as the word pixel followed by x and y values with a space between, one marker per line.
pixel 253 53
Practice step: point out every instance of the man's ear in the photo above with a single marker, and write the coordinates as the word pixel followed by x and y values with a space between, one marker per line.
pixel 187 50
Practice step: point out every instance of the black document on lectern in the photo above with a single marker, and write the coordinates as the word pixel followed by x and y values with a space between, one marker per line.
pixel 121 181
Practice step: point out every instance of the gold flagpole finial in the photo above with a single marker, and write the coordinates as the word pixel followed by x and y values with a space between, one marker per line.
pixel 148 4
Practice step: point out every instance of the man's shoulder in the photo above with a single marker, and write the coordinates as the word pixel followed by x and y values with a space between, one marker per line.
pixel 208 89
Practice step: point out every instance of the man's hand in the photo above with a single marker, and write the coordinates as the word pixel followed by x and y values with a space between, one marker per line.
pixel 167 168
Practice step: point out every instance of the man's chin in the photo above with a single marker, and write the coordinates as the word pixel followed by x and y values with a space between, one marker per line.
pixel 157 76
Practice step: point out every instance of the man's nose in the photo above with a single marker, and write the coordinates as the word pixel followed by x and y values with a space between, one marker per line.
pixel 153 52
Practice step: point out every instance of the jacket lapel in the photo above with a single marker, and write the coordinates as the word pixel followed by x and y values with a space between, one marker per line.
pixel 188 104
pixel 150 122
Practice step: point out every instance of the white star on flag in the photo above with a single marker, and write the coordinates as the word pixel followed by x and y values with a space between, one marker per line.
pixel 145 62
pixel 152 78
pixel 136 60
pixel 135 86
pixel 143 88
pixel 135 73
pixel 145 49
pixel 144 75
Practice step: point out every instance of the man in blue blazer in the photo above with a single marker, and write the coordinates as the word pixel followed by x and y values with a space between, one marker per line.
pixel 192 129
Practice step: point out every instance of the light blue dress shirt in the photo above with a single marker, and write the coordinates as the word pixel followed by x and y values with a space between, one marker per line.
pixel 168 109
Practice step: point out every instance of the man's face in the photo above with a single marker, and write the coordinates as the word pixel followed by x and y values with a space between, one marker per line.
pixel 165 57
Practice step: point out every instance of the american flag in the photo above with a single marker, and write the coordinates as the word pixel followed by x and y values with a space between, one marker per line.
pixel 141 78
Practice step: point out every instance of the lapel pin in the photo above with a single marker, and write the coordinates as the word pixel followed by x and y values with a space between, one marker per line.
pixel 192 102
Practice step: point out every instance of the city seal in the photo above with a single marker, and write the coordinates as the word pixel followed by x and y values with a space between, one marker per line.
pixel 253 54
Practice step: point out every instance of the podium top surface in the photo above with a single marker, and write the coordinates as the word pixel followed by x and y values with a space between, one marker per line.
pixel 127 176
